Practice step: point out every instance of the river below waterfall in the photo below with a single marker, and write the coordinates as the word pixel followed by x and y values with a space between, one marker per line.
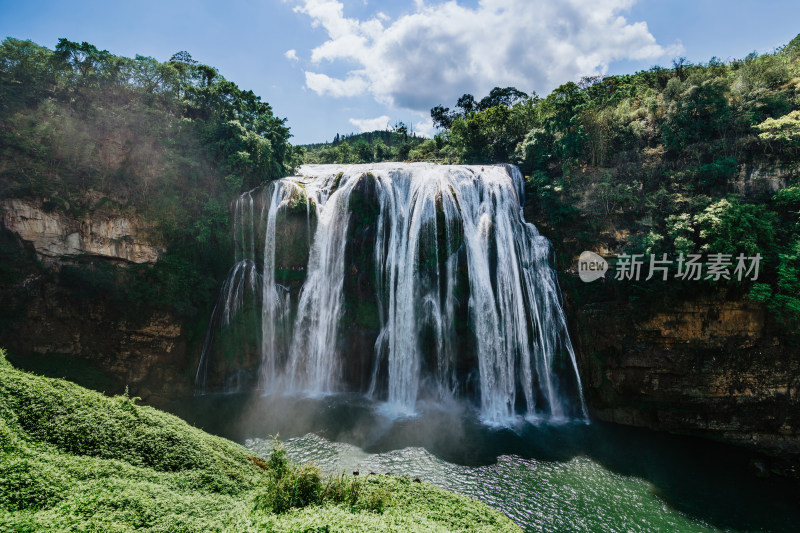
pixel 546 476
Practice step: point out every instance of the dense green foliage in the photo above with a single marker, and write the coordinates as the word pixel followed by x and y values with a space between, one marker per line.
pixel 74 460
pixel 89 133
pixel 654 162
pixel 396 144
pixel 290 486
pixel 78 118
pixel 690 113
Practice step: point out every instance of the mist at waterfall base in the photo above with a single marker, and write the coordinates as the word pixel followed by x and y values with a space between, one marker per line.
pixel 404 319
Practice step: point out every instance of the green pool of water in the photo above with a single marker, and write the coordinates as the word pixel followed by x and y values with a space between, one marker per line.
pixel 545 476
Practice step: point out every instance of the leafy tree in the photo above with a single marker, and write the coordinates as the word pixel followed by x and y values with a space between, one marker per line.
pixel 26 74
pixel 696 112
pixel 441 117
pixel 467 104
pixel 363 151
pixel 781 298
pixel 731 227
pixel 505 96
pixel 535 150
pixel 783 130
pixel 484 135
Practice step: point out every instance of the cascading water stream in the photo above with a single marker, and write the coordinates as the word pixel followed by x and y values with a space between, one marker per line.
pixel 274 298
pixel 314 364
pixel 466 303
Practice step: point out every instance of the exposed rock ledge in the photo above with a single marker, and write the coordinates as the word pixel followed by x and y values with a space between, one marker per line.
pixel 709 367
pixel 54 235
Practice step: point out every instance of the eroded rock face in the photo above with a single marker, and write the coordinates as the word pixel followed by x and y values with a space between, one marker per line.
pixel 145 351
pixel 55 235
pixel 713 366
pixel 712 324
pixel 709 367
pixel 754 179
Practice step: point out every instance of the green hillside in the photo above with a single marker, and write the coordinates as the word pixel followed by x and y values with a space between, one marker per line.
pixel 396 144
pixel 75 460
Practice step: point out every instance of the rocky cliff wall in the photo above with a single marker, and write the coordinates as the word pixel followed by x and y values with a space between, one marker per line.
pixel 146 352
pixel 43 312
pixel 706 362
pixel 709 367
pixel 54 234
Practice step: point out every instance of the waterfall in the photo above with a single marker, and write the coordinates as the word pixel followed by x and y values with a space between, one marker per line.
pixel 274 297
pixel 425 278
pixel 314 365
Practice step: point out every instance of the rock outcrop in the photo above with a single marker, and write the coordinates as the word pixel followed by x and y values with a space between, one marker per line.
pixel 43 314
pixel 55 235
pixel 709 367
pixel 754 179
pixel 146 351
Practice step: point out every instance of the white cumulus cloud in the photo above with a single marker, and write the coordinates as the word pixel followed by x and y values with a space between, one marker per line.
pixel 440 51
pixel 424 127
pixel 370 124
pixel 291 55
pixel 353 85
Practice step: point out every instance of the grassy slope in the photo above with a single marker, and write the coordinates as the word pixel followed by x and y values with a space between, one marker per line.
pixel 74 460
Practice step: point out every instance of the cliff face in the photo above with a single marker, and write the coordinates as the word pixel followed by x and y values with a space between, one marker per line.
pixel 54 235
pixel 45 314
pixel 708 367
pixel 147 353
pixel 711 364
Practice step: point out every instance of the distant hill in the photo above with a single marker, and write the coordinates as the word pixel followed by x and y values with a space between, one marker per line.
pixel 388 137
pixel 396 144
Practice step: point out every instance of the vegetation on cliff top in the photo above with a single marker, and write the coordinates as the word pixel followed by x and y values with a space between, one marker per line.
pixel 73 459
pixel 85 132
pixel 395 144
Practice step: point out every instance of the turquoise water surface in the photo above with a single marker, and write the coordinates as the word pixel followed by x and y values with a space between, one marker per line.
pixel 545 475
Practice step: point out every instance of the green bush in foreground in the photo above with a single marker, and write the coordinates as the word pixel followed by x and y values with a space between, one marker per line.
pixel 291 486
pixel 74 460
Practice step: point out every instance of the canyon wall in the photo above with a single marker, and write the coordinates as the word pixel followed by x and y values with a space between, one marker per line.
pixel 47 310
pixel 711 367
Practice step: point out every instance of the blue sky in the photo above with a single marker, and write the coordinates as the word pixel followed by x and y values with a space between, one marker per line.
pixel 337 66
